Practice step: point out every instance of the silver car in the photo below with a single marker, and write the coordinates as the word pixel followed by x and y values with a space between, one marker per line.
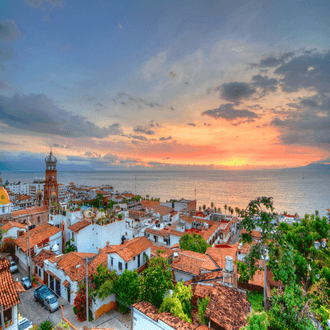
pixel 51 303
pixel 13 267
pixel 24 324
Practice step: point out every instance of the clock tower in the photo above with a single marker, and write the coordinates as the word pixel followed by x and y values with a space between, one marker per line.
pixel 51 186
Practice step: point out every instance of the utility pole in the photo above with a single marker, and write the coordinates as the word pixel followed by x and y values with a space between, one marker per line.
pixel 135 184
pixel 29 268
pixel 2 318
pixel 87 309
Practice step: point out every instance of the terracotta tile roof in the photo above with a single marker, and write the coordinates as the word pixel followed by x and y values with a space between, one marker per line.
pixel 219 254
pixel 228 308
pixel 205 277
pixel 147 309
pixel 42 256
pixel 22 198
pixel 68 263
pixel 161 209
pixel 192 262
pixel 149 203
pixel 202 291
pixel 30 210
pixel 177 233
pixel 245 249
pixel 128 195
pixel 79 226
pixel 37 236
pixel 130 249
pixel 12 224
pixel 160 232
pixel 8 293
pixel 255 233
pixel 19 287
pixel 187 219
pixel 168 252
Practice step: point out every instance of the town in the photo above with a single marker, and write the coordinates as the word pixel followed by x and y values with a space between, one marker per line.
pixel 149 264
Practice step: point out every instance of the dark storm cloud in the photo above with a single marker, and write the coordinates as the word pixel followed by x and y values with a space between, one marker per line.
pixel 165 139
pixel 235 91
pixel 265 84
pixel 273 61
pixel 9 31
pixel 143 130
pixel 192 124
pixel 227 111
pixel 310 71
pixel 37 113
pixel 139 137
pixel 307 126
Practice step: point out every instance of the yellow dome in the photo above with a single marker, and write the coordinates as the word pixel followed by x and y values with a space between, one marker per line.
pixel 39 191
pixel 54 193
pixel 4 198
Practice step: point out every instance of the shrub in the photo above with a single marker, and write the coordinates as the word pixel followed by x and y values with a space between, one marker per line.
pixel 46 325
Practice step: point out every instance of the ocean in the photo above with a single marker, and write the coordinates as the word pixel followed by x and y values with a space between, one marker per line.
pixel 292 190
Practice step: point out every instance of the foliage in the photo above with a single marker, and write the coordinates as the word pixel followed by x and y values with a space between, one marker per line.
pixel 2 231
pixel 179 304
pixel 46 325
pixel 194 242
pixel 120 216
pixel 62 326
pixel 202 305
pixel 256 215
pixel 103 281
pixel 127 289
pixel 34 280
pixel 8 246
pixel 156 280
pixel 80 302
pixel 256 299
pixel 290 309
pixel 257 321
pixel 70 247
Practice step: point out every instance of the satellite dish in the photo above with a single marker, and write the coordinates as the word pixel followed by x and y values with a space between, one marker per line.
pixel 55 248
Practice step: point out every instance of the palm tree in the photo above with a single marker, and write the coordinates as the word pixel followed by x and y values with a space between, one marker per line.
pixel 200 208
pixel 226 208
pixel 231 210
pixel 219 210
pixel 212 205
pixel 204 207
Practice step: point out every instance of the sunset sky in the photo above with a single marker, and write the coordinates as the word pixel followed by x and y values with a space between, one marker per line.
pixel 165 84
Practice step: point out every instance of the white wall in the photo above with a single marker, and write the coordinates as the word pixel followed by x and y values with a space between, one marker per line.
pixel 14 319
pixel 178 276
pixel 174 239
pixel 143 322
pixel 12 232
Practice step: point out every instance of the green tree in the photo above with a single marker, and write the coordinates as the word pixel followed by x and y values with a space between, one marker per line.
pixel 290 309
pixel 202 305
pixel 70 247
pixel 194 242
pixel 155 281
pixel 204 207
pixel 8 246
pixel 257 321
pixel 104 281
pixel 225 208
pixel 179 304
pixel 127 289
pixel 212 204
pixel 199 208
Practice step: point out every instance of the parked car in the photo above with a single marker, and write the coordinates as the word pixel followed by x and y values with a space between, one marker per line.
pixel 24 324
pixel 51 303
pixel 26 282
pixel 41 293
pixel 13 267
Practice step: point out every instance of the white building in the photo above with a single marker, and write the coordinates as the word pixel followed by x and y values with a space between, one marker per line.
pixel 44 236
pixel 13 229
pixel 35 186
pixel 130 255
pixel 19 188
pixel 289 219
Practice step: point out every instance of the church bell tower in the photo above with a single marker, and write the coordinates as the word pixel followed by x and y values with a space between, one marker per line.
pixel 51 186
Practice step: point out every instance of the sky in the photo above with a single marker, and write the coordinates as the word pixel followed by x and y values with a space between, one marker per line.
pixel 165 84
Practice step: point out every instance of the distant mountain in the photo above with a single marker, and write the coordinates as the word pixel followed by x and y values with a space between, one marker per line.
pixel 13 167
pixel 313 167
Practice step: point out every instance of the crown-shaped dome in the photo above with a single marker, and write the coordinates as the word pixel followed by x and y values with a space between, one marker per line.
pixel 50 159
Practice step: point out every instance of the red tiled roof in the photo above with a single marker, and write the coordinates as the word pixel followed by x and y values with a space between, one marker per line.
pixel 205 277
pixel 79 226
pixel 202 291
pixel 12 224
pixel 168 252
pixel 30 210
pixel 8 293
pixel 22 198
pixel 149 203
pixel 161 209
pixel 42 256
pixel 219 254
pixel 228 308
pixel 255 234
pixel 19 287
pixel 128 195
pixel 37 236
pixel 130 249
pixel 67 284
pixel 160 232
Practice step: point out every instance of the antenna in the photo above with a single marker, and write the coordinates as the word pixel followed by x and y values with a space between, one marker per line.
pixel 195 192
pixel 135 184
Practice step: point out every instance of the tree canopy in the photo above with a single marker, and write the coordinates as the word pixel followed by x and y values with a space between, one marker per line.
pixel 194 242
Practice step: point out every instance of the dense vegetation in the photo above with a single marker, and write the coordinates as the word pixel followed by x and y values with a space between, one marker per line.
pixel 194 242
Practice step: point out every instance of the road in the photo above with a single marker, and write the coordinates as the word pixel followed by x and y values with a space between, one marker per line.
pixel 235 238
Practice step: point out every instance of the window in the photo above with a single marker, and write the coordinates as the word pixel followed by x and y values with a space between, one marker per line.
pixel 72 235
pixel 120 265
pixel 39 272
pixel 133 258
pixel 126 265
pixel 111 265
pixel 39 222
